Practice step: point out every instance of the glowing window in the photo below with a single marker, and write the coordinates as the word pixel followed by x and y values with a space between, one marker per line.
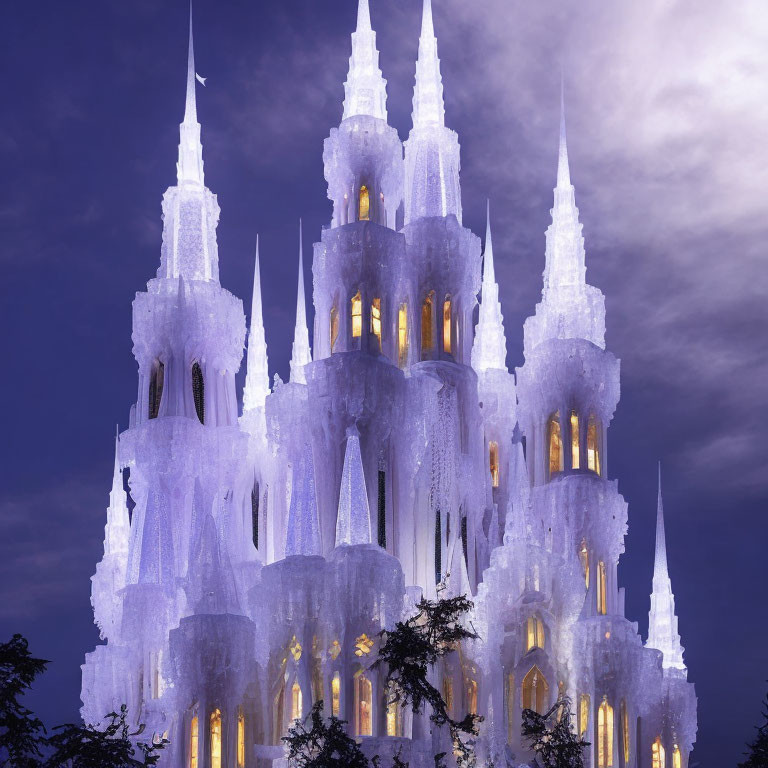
pixel 534 633
pixel 493 460
pixel 593 444
pixel 677 757
pixel 602 606
pixel 555 445
pixel 216 739
pixel 510 692
pixel 296 701
pixel 295 648
pixel 335 649
pixel 335 694
pixel 472 697
pixel 583 714
pixel 574 440
pixel 447 325
pixel 194 739
pixel 658 755
pixel 448 694
pixel 334 327
pixel 156 380
pixel 376 319
pixel 535 691
pixel 625 731
pixel 402 335
pixel 605 735
pixel 363 645
pixel 357 316
pixel 584 557
pixel 427 329
pixel 364 702
pixel 240 739
pixel 365 204
pixel 393 716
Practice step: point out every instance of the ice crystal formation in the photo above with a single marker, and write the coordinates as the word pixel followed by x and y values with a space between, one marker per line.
pixel 267 549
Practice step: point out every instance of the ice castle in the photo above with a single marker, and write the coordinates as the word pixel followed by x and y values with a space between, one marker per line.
pixel 268 548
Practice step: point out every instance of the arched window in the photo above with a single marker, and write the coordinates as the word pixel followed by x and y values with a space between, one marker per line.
pixel 510 693
pixel 335 694
pixel 402 335
pixel 602 602
pixel 365 204
pixel 493 460
pixel 448 694
pixel 393 716
pixel 472 697
pixel 357 316
pixel 625 731
pixel 438 547
pixel 584 558
pixel 584 706
pixel 555 441
pixel 605 735
pixel 376 319
pixel 427 325
pixel 593 444
pixel 677 757
pixel 240 739
pixel 534 631
pixel 277 724
pixel 156 381
pixel 535 691
pixel 334 330
pixel 658 755
pixel 198 391
pixel 255 514
pixel 296 701
pixel 194 740
pixel 574 440
pixel 364 705
pixel 447 325
pixel 216 739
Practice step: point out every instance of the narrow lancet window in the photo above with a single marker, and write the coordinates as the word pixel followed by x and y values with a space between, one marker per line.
pixel 357 316
pixel 605 735
pixel 334 329
pixel 296 701
pixel 602 602
pixel 593 444
pixel 364 704
pixel 574 440
pixel 402 335
pixel 584 557
pixel 393 715
pixel 365 204
pixel 156 381
pixel 255 514
pixel 376 319
pixel 625 731
pixel 438 547
pixel 472 697
pixel 427 325
pixel 493 460
pixel 535 691
pixel 382 508
pixel 216 739
pixel 658 754
pixel 584 704
pixel 194 739
pixel 336 694
pixel 447 325
pixel 677 757
pixel 198 391
pixel 510 693
pixel 555 444
pixel 534 633
pixel 240 739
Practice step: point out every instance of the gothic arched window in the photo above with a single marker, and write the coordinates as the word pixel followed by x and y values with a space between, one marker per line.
pixel 357 316
pixel 584 702
pixel 402 335
pixel 336 694
pixel 535 691
pixel 605 735
pixel 677 757
pixel 393 715
pixel 427 325
pixel 625 731
pixel 472 697
pixel 555 442
pixel 658 754
pixel 216 738
pixel 364 705
pixel 365 204
pixel 376 319
pixel 334 327
pixel 194 740
pixel 198 391
pixel 510 692
pixel 240 739
pixel 602 592
pixel 593 444
pixel 156 381
pixel 493 460
pixel 534 633
pixel 574 440
pixel 296 701
pixel 447 325
pixel 584 558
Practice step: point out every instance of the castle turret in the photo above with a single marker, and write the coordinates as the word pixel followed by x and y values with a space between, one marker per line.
pixel 257 376
pixel 301 353
pixel 353 523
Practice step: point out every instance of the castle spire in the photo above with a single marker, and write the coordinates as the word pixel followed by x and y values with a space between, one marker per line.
pixel 563 169
pixel 301 354
pixel 489 350
pixel 190 165
pixel 428 104
pixel 303 533
pixel 365 90
pixel 353 522
pixel 257 376
pixel 117 529
pixel 662 621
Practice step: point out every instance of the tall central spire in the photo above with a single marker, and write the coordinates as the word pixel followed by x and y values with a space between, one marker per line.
pixel 301 354
pixel 428 104
pixel 257 376
pixel 190 165
pixel 117 529
pixel 365 91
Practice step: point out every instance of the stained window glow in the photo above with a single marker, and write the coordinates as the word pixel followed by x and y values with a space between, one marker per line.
pixel 593 444
pixel 240 739
pixel 605 735
pixel 427 329
pixel 447 325
pixel 677 757
pixel 357 316
pixel 472 697
pixel 534 633
pixel 393 719
pixel 194 739
pixel 574 440
pixel 335 694
pixel 602 605
pixel 365 204
pixel 363 645
pixel 376 319
pixel 584 706
pixel 216 739
pixel 535 691
pixel 402 335
pixel 625 731
pixel 364 703
pixel 493 460
pixel 295 648
pixel 296 701
pixel 658 755
pixel 555 444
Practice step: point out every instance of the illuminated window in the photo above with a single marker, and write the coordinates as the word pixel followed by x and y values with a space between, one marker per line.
pixel 584 557
pixel 593 444
pixel 583 714
pixel 448 694
pixel 156 380
pixel 472 697
pixel 335 649
pixel 677 757
pixel 194 739
pixel 427 329
pixel 295 648
pixel 625 731
pixel 658 755
pixel 493 459
pixel 574 440
pixel 534 633
pixel 447 325
pixel 365 204
pixel 555 445
pixel 364 703
pixel 393 716
pixel 216 739
pixel 296 701
pixel 334 327
pixel 510 691
pixel 335 694
pixel 605 735
pixel 402 335
pixel 357 316
pixel 602 606
pixel 240 739
pixel 535 691
pixel 363 645
pixel 376 319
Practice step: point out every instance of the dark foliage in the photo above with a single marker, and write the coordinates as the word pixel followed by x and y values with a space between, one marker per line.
pixel 551 738
pixel 757 756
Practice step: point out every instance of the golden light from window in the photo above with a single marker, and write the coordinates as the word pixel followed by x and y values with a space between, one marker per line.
pixel 472 697
pixel 334 327
pixel 658 755
pixel 602 604
pixel 194 739
pixel 295 648
pixel 240 739
pixel 216 739
pixel 402 335
pixel 493 460
pixel 335 694
pixel 535 691
pixel 605 735
pixel 335 649
pixel 365 204
pixel 364 704
pixel 555 445
pixel 393 719
pixel 510 691
pixel 584 557
pixel 357 316
pixel 608 635
pixel 376 319
pixel 296 701
pixel 363 645
pixel 677 757
pixel 447 325
pixel 448 694
pixel 427 330
pixel 574 440
pixel 593 444
pixel 584 714
pixel 534 633
pixel 625 731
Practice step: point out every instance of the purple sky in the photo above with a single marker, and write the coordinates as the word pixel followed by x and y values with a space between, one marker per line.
pixel 667 122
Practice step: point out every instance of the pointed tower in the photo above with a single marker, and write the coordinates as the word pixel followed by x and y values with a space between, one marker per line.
pixel 432 150
pixel 490 348
pixel 303 535
pixel 301 353
pixel 353 522
pixel 189 169
pixel 257 376
pixel 662 620
pixel 117 529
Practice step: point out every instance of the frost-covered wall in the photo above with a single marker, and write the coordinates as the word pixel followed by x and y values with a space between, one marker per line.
pixel 267 549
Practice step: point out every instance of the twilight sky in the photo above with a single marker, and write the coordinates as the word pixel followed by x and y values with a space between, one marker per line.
pixel 667 105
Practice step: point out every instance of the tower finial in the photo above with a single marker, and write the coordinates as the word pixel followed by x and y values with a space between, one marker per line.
pixel 190 165
pixel 660 567
pixel 428 103
pixel 190 109
pixel 301 354
pixel 427 25
pixel 257 372
pixel 563 170
pixel 363 16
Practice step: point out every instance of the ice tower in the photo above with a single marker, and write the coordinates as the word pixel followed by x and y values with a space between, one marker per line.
pixel 400 458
